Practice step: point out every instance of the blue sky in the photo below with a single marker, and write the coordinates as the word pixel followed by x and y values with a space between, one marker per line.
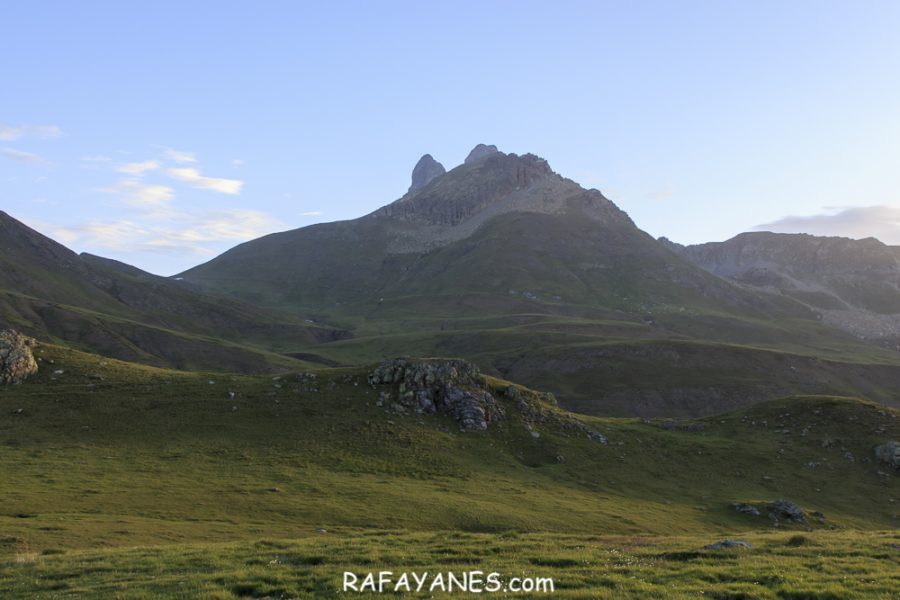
pixel 164 133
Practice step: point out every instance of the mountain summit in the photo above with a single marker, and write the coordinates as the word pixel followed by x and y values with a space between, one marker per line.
pixel 479 152
pixel 425 170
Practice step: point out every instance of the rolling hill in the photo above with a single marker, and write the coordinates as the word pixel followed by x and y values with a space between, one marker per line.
pixel 50 292
pixel 220 471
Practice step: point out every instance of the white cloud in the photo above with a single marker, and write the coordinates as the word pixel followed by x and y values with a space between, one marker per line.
pixel 9 133
pixel 311 213
pixel 882 222
pixel 237 162
pixel 178 233
pixel 21 156
pixel 153 201
pixel 179 156
pixel 193 178
pixel 138 168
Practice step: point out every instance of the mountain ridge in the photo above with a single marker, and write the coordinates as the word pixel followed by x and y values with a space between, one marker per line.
pixel 853 284
pixel 49 291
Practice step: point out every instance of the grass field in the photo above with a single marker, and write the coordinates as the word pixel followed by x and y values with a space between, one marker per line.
pixel 810 566
pixel 121 480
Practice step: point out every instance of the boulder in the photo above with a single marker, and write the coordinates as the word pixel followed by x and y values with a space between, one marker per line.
pixel 726 544
pixel 786 511
pixel 746 509
pixel 16 359
pixel 889 453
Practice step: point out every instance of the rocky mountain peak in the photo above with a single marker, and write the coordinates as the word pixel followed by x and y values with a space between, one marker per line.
pixel 479 152
pixel 425 170
pixel 496 180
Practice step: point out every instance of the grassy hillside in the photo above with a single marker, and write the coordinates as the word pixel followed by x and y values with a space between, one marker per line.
pixel 136 482
pixel 50 292
pixel 108 453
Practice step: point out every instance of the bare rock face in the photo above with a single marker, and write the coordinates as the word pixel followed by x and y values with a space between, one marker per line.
pixel 425 170
pixel 479 152
pixel 16 359
pixel 450 386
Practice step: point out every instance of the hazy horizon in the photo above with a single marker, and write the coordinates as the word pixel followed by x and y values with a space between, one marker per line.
pixel 166 139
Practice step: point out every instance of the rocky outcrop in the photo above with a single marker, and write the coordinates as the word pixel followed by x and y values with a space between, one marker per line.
pixel 784 510
pixel 728 544
pixel 479 152
pixel 456 387
pixel 425 170
pixel 451 386
pixel 16 359
pixel 746 509
pixel 889 454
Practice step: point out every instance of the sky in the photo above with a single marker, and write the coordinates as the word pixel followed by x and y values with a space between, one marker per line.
pixel 163 133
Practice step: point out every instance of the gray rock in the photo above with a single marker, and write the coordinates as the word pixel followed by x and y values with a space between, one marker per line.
pixel 451 386
pixel 425 170
pixel 746 509
pixel 786 510
pixel 889 453
pixel 597 437
pixel 479 152
pixel 16 359
pixel 725 544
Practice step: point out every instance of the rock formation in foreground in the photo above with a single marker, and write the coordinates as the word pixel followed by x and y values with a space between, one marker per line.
pixel 16 359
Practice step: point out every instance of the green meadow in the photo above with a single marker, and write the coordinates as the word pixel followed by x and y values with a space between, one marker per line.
pixel 128 481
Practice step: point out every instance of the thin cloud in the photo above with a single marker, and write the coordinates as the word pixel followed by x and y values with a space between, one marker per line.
pixel 661 195
pixel 8 133
pixel 138 168
pixel 179 233
pixel 152 201
pixel 22 156
pixel 311 213
pixel 881 222
pixel 193 178
pixel 179 156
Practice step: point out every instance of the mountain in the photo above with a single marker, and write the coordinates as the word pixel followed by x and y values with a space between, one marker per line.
pixel 52 293
pixel 852 284
pixel 506 263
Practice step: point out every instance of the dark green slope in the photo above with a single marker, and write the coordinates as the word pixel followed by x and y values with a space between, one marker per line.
pixel 48 291
pixel 506 263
